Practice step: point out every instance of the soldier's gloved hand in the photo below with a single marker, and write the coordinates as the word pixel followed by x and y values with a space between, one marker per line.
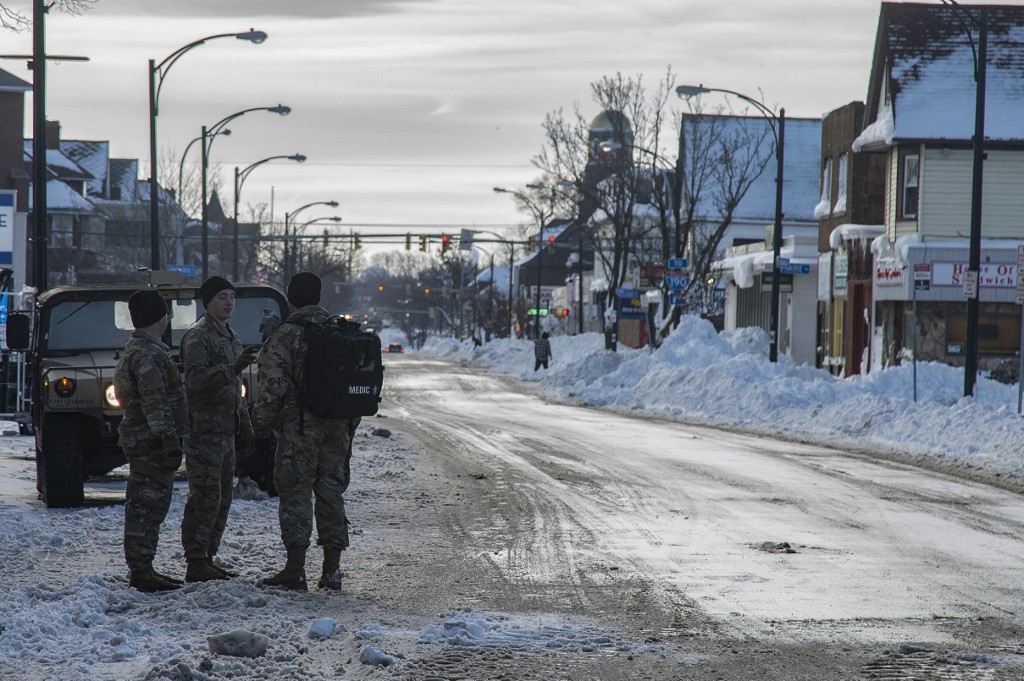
pixel 247 357
pixel 171 447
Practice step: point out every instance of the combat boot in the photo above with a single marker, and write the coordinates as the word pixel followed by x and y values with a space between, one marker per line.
pixel 147 580
pixel 331 577
pixel 200 570
pixel 228 574
pixel 293 576
pixel 168 578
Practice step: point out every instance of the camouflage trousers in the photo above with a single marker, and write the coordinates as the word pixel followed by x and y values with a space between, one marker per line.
pixel 150 484
pixel 210 467
pixel 308 465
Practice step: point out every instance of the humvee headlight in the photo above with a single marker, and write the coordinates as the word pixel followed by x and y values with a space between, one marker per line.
pixel 110 395
pixel 245 388
pixel 64 387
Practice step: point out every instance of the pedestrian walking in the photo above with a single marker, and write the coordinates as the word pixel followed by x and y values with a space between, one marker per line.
pixel 313 453
pixel 149 388
pixel 212 361
pixel 542 351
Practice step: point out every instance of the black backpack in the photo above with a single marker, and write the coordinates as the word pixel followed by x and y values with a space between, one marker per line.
pixel 343 371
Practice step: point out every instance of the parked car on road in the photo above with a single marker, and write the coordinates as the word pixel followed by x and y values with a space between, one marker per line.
pixel 395 347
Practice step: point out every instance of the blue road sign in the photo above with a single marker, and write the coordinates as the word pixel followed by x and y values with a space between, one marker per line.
pixel 678 264
pixel 676 298
pixel 186 270
pixel 677 283
pixel 786 268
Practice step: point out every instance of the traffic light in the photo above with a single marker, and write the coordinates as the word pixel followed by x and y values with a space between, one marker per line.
pixel 358 243
pixel 551 245
pixel 408 242
pixel 426 291
pixel 325 238
pixel 423 243
pixel 445 243
pixel 533 244
pixel 380 287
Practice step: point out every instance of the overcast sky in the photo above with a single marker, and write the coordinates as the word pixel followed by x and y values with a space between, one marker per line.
pixel 410 112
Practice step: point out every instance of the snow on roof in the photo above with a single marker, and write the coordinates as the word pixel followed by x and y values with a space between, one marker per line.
pixel 802 166
pixel 93 157
pixel 60 196
pixel 58 163
pixel 925 65
pixel 879 134
pixel 743 266
pixel 851 232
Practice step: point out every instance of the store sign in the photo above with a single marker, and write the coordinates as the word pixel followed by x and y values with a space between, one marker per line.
pixel 992 274
pixel 785 282
pixel 841 274
pixel 922 276
pixel 7 227
pixel 888 273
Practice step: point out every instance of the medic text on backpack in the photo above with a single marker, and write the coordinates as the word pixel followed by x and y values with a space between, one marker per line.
pixel 343 371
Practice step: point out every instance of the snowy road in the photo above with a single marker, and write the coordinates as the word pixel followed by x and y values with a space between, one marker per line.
pixel 882 552
pixel 498 536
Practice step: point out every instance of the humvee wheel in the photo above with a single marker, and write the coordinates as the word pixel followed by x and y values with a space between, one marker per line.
pixel 59 474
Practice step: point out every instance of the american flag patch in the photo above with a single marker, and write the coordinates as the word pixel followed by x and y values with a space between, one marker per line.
pixel 145 368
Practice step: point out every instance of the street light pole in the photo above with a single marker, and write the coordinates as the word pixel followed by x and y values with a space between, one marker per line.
pixel 210 134
pixel 777 123
pixel 156 74
pixel 288 217
pixel 980 54
pixel 239 181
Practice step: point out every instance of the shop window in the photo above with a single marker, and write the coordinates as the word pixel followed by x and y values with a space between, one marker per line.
pixel 998 334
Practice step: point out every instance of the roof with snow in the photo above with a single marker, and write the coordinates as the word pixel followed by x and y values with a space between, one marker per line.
pixel 922 77
pixel 802 166
pixel 93 157
pixel 60 165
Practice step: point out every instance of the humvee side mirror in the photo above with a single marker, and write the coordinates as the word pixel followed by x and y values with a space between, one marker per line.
pixel 18 331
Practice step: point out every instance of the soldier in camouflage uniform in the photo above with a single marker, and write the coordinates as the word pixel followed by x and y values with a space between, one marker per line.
pixel 313 453
pixel 147 384
pixel 212 361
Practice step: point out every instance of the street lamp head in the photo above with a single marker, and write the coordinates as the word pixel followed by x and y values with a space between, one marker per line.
pixel 253 36
pixel 299 158
pixel 500 190
pixel 332 204
pixel 280 109
pixel 685 91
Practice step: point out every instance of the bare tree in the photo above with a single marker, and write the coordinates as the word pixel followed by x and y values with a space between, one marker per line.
pixel 623 207
pixel 14 19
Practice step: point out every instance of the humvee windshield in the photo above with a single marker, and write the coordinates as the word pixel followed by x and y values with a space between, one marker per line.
pixel 107 325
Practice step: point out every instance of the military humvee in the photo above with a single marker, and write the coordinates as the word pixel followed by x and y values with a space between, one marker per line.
pixel 77 335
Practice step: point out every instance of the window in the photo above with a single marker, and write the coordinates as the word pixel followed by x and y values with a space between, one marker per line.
pixel 824 206
pixel 840 207
pixel 911 179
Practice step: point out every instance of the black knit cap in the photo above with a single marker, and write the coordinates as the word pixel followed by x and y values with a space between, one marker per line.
pixel 212 287
pixel 146 307
pixel 304 289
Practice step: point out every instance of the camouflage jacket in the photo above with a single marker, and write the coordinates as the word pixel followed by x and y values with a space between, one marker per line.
pixel 149 388
pixel 281 364
pixel 208 352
